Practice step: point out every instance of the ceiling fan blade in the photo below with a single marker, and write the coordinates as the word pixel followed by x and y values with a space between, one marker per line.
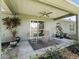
pixel 49 13
pixel 41 13
pixel 45 14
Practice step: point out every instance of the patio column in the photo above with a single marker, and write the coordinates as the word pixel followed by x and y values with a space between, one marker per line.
pixel 77 18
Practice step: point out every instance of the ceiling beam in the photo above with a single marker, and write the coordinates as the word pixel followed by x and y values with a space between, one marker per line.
pixel 64 16
pixel 9 5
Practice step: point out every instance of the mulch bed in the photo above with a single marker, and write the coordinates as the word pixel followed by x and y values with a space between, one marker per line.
pixel 67 54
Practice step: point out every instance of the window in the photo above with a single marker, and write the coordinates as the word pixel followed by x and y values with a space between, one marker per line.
pixel 71 27
pixel 41 28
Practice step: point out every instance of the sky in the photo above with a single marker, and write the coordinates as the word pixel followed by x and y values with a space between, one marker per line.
pixel 76 1
pixel 73 18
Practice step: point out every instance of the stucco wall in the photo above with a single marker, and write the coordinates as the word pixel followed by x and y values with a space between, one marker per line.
pixel 24 29
pixel 51 26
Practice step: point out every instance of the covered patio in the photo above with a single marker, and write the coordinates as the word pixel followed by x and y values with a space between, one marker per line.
pixel 38 30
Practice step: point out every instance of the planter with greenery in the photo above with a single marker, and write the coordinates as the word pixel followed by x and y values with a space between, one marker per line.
pixel 49 54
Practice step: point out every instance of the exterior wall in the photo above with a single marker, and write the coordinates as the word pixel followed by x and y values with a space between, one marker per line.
pixel 66 26
pixel 51 26
pixel 24 29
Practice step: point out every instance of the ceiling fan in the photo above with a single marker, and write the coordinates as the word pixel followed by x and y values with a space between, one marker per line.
pixel 46 14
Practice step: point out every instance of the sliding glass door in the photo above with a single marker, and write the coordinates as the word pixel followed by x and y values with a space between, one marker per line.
pixel 36 29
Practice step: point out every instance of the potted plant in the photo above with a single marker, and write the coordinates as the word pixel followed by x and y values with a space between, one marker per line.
pixel 11 24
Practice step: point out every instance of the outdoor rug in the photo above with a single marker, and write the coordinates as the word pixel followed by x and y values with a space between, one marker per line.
pixel 41 44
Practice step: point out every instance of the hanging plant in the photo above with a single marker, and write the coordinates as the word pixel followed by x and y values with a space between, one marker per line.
pixel 11 24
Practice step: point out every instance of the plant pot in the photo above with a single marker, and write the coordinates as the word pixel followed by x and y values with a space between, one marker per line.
pixel 13 44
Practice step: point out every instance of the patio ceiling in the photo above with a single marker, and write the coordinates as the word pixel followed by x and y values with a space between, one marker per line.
pixel 63 4
pixel 60 8
pixel 4 8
